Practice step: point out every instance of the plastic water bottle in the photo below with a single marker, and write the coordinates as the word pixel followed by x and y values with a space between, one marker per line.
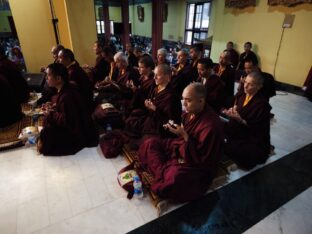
pixel 137 185
pixel 108 128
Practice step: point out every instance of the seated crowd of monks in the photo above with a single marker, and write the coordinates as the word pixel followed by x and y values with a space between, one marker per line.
pixel 174 110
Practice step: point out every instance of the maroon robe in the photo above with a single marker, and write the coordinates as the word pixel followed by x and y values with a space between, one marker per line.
pixel 15 78
pixel 68 128
pixel 142 92
pixel 133 61
pixel 181 79
pixel 249 145
pixel 100 70
pixel 308 84
pixel 193 74
pixel 47 92
pixel 215 92
pixel 122 94
pixel 122 79
pixel 228 78
pixel 268 89
pixel 10 104
pixel 234 57
pixel 80 78
pixel 168 107
pixel 245 57
pixel 183 170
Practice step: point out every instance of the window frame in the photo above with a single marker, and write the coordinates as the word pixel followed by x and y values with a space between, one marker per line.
pixel 194 30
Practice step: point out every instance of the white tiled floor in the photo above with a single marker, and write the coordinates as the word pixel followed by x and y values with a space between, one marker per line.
pixel 80 193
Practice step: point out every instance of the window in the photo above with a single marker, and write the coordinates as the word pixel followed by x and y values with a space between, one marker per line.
pixel 197 22
pixel 100 26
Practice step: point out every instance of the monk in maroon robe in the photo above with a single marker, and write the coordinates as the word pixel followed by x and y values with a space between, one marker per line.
pixel 48 92
pixel 227 74
pixel 184 167
pixel 119 89
pixel 307 87
pixel 133 60
pixel 215 87
pixel 101 68
pixel 161 106
pixel 146 83
pixel 14 77
pixel 67 124
pixel 196 53
pixel 234 56
pixel 78 76
pixel 181 73
pixel 268 89
pixel 162 57
pixel 248 131
pixel 10 105
pixel 247 55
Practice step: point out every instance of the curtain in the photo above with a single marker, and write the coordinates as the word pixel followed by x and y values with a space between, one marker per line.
pixel 239 3
pixel 287 2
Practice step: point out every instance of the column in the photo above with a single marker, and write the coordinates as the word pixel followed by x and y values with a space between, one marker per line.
pixel 125 22
pixel 106 20
pixel 157 26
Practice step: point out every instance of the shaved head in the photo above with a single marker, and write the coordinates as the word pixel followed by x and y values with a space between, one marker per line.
pixel 197 89
pixel 194 96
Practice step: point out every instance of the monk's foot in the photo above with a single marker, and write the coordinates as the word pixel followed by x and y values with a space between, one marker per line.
pixel 162 207
pixel 39 146
pixel 232 167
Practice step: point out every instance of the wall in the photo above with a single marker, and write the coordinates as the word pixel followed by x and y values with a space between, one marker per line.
pixel 82 28
pixel 114 13
pixel 141 28
pixel 262 25
pixel 4 23
pixel 35 31
pixel 63 27
pixel 173 29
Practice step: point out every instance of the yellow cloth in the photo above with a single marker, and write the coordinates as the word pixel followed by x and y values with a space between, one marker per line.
pixel 112 65
pixel 159 89
pixel 123 71
pixel 220 71
pixel 247 99
pixel 180 67
pixel 72 63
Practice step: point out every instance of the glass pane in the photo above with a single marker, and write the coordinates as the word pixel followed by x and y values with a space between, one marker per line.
pixel 98 27
pixel 102 24
pixel 198 17
pixel 190 16
pixel 205 18
pixel 188 37
pixel 203 35
pixel 112 27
